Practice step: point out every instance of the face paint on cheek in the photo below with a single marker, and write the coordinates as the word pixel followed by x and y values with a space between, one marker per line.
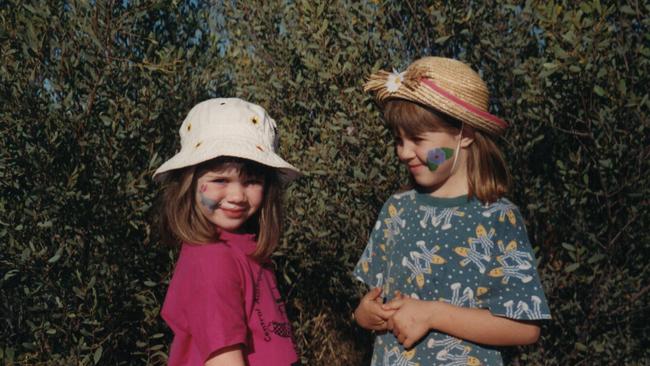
pixel 436 157
pixel 208 203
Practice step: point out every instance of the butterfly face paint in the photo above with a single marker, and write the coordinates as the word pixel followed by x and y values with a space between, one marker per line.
pixel 436 157
pixel 208 203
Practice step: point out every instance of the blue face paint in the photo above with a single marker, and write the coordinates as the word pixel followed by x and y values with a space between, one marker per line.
pixel 436 157
pixel 208 203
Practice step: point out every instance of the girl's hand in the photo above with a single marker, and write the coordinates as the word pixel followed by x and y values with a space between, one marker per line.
pixel 369 314
pixel 411 320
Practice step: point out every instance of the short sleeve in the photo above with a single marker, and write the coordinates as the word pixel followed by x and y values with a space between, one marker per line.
pixel 214 300
pixel 512 287
pixel 371 265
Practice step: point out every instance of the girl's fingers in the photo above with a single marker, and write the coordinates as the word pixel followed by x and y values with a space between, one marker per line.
pixel 380 324
pixel 394 304
pixel 374 293
pixel 376 310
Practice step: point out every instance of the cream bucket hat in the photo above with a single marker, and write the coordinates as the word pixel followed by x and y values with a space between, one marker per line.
pixel 228 127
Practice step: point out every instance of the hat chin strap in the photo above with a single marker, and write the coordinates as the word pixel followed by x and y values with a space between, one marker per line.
pixel 460 138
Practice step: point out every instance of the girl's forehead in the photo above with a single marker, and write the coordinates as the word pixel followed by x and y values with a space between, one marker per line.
pixel 232 169
pixel 402 132
pixel 408 119
pixel 222 170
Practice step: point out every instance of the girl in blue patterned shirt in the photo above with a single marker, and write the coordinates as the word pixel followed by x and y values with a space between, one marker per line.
pixel 451 270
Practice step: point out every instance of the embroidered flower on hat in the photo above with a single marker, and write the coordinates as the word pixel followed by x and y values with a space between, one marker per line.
pixel 394 81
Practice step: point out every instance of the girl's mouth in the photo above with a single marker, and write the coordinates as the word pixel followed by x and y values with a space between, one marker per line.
pixel 415 167
pixel 233 213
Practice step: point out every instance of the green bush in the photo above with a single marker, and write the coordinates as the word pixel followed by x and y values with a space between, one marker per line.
pixel 93 94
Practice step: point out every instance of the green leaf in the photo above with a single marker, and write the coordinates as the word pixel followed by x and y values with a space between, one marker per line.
pixel 605 163
pixel 56 256
pixel 98 354
pixel 45 225
pixel 9 274
pixel 571 267
pixel 595 258
pixel 575 68
pixel 626 9
pixel 448 152
pixel 441 40
pixel 568 246
pixel 598 90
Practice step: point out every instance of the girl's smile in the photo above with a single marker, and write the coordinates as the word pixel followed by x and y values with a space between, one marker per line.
pixel 415 168
pixel 233 213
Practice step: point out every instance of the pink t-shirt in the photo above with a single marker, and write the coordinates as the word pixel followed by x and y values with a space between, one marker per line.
pixel 219 297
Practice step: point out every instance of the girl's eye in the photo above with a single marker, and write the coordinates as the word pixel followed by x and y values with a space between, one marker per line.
pixel 219 180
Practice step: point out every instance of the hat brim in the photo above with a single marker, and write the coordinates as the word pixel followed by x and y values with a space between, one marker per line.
pixel 241 149
pixel 443 84
pixel 428 94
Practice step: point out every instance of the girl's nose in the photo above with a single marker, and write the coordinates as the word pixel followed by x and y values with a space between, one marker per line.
pixel 236 193
pixel 405 151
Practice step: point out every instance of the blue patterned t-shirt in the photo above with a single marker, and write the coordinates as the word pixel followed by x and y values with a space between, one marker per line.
pixel 454 250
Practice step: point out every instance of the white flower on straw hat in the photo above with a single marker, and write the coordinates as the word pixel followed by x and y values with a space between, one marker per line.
pixel 394 81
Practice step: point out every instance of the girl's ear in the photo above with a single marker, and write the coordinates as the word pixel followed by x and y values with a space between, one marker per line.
pixel 467 138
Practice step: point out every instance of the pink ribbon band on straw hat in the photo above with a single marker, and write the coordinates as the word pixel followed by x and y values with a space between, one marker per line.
pixel 462 103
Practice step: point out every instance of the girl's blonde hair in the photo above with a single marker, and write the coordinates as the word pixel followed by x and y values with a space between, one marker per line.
pixel 487 173
pixel 182 221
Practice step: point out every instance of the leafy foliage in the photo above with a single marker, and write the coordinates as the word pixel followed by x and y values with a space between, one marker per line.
pixel 93 93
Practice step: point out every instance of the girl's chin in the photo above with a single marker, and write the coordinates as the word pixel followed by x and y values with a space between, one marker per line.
pixel 430 182
pixel 229 224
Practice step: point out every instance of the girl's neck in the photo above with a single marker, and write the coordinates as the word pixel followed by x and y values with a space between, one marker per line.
pixel 228 235
pixel 245 229
pixel 455 185
pixel 449 191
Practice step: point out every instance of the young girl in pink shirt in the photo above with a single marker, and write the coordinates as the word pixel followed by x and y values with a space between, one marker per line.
pixel 221 200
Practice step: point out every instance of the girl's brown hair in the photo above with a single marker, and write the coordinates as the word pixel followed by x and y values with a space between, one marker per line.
pixel 182 221
pixel 487 173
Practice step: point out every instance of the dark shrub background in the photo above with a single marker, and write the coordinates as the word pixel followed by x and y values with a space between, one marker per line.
pixel 92 95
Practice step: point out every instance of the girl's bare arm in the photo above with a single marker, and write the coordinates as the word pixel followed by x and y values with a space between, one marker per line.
pixel 481 326
pixel 228 356
pixel 413 319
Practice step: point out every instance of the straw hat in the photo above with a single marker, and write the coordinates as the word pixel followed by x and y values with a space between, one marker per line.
pixel 228 127
pixel 444 84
